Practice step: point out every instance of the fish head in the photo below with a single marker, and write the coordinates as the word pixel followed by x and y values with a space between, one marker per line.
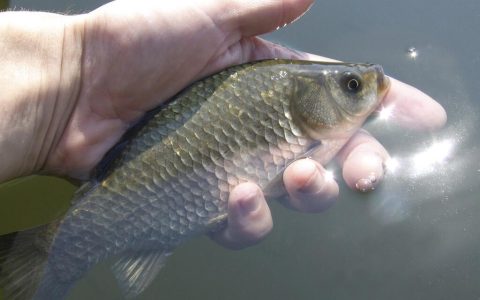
pixel 334 99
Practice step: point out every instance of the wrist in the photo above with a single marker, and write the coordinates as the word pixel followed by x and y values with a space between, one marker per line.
pixel 41 72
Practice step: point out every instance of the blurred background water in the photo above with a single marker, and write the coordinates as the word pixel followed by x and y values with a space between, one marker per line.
pixel 416 237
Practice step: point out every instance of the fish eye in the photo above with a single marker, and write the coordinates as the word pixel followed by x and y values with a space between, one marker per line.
pixel 351 82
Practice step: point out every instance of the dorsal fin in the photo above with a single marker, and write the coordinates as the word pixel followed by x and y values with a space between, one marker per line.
pixel 135 271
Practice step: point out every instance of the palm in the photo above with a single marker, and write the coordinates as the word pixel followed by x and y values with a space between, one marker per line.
pixel 158 53
pixel 138 55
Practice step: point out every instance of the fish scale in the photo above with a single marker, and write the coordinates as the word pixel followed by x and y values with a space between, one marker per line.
pixel 219 151
pixel 170 177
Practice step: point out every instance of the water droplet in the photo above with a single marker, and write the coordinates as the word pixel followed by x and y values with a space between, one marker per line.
pixel 412 53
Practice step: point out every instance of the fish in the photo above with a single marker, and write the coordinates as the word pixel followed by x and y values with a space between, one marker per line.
pixel 168 179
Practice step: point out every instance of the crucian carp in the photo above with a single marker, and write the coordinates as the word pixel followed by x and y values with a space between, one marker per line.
pixel 169 178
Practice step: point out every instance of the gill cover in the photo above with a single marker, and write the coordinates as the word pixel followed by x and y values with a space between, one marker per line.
pixel 333 97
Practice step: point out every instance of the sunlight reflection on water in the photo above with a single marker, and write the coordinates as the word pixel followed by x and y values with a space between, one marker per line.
pixel 412 53
pixel 431 158
pixel 426 160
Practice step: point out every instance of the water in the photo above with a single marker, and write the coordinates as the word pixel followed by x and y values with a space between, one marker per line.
pixel 416 236
pixel 412 53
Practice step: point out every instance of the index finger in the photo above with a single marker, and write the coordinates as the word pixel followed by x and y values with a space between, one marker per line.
pixel 411 108
pixel 251 18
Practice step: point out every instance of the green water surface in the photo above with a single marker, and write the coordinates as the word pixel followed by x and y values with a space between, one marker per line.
pixel 3 4
pixel 31 201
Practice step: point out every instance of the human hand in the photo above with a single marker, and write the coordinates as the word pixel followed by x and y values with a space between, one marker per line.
pixel 138 54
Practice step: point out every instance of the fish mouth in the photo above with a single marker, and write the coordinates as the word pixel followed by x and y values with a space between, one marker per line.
pixel 383 82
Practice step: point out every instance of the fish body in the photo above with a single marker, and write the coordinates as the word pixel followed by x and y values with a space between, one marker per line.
pixel 169 178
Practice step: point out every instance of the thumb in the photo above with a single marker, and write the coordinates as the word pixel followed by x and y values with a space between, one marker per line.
pixel 251 18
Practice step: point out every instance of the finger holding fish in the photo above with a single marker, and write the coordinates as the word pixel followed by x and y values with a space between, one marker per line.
pixel 249 218
pixel 309 186
pixel 362 160
pixel 309 189
pixel 412 108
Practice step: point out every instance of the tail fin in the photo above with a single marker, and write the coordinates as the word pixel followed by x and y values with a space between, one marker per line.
pixel 23 256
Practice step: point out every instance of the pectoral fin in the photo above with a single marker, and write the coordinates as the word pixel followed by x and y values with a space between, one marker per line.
pixel 275 189
pixel 135 271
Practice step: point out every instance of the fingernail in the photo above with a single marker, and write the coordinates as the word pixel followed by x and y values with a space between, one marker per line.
pixel 250 203
pixel 367 184
pixel 314 183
